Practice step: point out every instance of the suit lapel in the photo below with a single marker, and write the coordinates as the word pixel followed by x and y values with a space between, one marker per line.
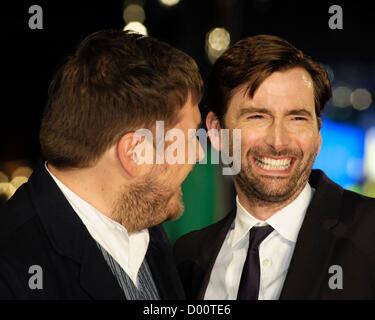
pixel 309 266
pixel 70 237
pixel 160 259
pixel 211 250
pixel 96 278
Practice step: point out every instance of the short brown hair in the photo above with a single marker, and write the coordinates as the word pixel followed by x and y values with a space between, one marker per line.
pixel 253 59
pixel 116 82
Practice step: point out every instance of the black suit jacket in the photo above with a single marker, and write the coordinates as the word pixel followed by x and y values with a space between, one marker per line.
pixel 39 227
pixel 338 229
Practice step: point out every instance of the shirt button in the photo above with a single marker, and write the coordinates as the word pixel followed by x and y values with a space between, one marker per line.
pixel 266 262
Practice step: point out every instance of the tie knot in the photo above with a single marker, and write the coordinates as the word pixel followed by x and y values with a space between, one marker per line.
pixel 257 235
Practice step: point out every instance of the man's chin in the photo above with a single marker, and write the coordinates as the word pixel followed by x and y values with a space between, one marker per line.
pixel 268 189
pixel 175 215
pixel 176 206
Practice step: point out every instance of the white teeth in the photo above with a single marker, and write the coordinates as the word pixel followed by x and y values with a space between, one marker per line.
pixel 273 164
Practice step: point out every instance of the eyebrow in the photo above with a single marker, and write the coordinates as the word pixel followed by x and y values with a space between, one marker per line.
pixel 246 110
pixel 299 111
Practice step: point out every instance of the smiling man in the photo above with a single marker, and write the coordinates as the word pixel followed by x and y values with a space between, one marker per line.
pixel 87 225
pixel 294 233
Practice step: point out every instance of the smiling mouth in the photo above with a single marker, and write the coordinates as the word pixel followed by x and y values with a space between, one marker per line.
pixel 273 164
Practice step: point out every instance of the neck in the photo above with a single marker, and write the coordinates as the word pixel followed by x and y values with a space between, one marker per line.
pixel 90 184
pixel 263 210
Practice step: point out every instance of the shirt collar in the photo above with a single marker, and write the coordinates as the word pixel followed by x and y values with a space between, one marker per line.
pixel 287 221
pixel 88 214
pixel 127 249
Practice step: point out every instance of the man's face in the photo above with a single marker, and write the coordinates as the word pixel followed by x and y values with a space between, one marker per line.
pixel 173 175
pixel 280 136
pixel 157 195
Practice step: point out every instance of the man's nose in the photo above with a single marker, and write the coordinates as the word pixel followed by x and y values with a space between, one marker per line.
pixel 277 135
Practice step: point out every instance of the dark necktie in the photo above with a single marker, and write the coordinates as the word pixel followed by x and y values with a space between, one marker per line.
pixel 250 278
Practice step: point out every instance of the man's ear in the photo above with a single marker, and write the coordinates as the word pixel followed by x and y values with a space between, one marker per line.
pixel 127 153
pixel 214 130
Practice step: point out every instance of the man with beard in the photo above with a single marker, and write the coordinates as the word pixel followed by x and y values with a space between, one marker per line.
pixel 87 223
pixel 294 233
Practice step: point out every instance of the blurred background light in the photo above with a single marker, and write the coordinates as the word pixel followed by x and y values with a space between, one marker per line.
pixel 369 166
pixel 22 171
pixel 341 96
pixel 7 190
pixel 16 182
pixel 3 177
pixel 134 12
pixel 169 3
pixel 137 27
pixel 13 174
pixel 218 40
pixel 342 153
pixel 361 99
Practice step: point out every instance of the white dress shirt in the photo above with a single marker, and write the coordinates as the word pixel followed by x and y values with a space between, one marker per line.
pixel 275 252
pixel 128 250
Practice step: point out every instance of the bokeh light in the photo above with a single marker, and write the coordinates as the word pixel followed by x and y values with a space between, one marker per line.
pixel 134 12
pixel 136 27
pixel 169 3
pixel 218 40
pixel 341 96
pixel 361 99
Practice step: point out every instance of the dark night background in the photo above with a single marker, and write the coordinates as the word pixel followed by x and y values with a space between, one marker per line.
pixel 31 56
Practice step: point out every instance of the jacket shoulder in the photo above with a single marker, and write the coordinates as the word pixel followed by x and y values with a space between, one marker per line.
pixel 357 224
pixel 16 212
pixel 359 205
pixel 22 236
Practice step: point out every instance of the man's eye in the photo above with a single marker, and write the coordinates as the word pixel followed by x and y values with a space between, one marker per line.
pixel 300 118
pixel 255 116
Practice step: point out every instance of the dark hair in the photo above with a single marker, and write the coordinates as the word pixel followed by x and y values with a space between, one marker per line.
pixel 253 59
pixel 116 82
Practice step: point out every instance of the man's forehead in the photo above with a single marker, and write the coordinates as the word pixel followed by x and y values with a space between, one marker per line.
pixel 294 81
pixel 294 76
pixel 307 80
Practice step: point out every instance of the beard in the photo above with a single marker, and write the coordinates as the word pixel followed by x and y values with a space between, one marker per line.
pixel 147 203
pixel 265 190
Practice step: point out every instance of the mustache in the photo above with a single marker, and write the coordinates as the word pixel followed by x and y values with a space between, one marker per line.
pixel 261 152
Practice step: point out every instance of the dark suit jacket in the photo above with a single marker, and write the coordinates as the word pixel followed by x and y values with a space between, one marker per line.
pixel 39 227
pixel 338 229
